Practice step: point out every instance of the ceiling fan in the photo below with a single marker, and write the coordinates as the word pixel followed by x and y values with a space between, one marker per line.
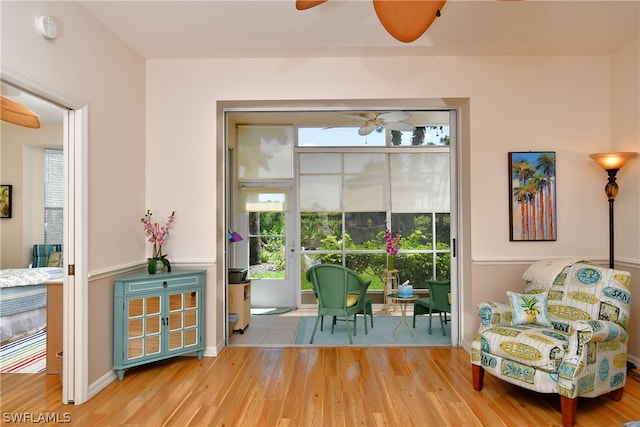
pixel 16 113
pixel 370 121
pixel 406 20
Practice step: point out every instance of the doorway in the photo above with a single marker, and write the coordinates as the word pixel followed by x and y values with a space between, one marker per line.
pixel 75 385
pixel 268 249
pixel 348 201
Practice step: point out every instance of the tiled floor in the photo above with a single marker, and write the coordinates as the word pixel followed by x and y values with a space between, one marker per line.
pixel 278 329
pixel 271 329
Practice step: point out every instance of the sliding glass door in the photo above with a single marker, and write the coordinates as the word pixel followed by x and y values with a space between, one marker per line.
pixel 348 201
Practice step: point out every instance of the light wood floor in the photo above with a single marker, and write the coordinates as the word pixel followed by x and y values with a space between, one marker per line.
pixel 303 386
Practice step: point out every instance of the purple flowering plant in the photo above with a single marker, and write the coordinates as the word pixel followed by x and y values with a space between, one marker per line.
pixel 157 234
pixel 393 242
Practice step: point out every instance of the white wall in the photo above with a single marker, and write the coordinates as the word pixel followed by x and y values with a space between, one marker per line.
pixel 22 166
pixel 559 104
pixel 625 136
pixel 88 62
pixel 516 104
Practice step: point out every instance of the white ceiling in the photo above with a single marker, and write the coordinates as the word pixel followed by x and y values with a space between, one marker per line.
pixel 274 28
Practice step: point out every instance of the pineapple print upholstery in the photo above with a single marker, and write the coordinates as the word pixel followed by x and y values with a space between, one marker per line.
pixel 584 351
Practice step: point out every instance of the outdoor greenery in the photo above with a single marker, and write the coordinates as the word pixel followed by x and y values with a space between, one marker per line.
pixel 362 245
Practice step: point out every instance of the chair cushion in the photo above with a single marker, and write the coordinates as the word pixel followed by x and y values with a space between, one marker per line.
pixel 529 309
pixel 531 345
pixel 352 299
pixel 55 260
pixel 42 252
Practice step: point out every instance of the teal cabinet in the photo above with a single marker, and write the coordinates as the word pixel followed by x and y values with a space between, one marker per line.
pixel 157 316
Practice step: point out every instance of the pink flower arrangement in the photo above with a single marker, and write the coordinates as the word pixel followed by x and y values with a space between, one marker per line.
pixel 393 243
pixel 156 234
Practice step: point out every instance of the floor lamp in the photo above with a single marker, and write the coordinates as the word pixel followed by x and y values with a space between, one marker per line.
pixel 612 163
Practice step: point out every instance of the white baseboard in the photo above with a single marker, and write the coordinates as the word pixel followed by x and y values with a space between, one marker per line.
pixel 101 383
pixel 214 351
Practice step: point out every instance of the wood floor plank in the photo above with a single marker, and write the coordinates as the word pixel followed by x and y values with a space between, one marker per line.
pixel 311 386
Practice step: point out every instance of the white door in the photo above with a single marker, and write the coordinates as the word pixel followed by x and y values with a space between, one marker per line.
pixel 268 247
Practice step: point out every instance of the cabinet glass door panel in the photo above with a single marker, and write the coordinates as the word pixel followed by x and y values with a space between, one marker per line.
pixel 135 328
pixel 153 305
pixel 152 345
pixel 136 307
pixel 175 340
pixel 190 318
pixel 153 325
pixel 190 300
pixel 183 320
pixel 175 302
pixel 175 321
pixel 190 337
pixel 153 329
pixel 134 348
pixel 144 326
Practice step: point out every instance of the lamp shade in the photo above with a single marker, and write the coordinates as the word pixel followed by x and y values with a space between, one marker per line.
pixel 610 161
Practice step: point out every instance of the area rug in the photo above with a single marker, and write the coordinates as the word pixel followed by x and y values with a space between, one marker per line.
pixel 382 333
pixel 270 310
pixel 26 355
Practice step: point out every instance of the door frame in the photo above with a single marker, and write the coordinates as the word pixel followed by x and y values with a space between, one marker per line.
pixel 274 292
pixel 458 240
pixel 75 378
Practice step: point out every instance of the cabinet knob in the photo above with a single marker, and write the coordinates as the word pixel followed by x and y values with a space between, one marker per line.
pixel 164 284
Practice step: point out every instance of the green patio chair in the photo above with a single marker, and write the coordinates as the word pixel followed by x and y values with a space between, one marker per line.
pixel 340 293
pixel 438 302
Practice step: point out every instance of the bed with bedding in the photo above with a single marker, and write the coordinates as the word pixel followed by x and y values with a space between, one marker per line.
pixel 23 300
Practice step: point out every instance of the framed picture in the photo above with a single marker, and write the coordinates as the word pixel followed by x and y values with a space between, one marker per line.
pixel 5 201
pixel 532 196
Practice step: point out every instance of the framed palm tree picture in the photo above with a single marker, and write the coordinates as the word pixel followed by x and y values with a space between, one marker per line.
pixel 532 196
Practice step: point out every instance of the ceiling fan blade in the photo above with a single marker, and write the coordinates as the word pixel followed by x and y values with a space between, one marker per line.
pixel 366 116
pixel 366 130
pixel 394 116
pixel 406 20
pixel 18 114
pixel 346 125
pixel 308 4
pixel 401 126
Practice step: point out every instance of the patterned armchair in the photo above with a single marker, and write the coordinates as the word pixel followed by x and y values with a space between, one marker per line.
pixel 576 346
